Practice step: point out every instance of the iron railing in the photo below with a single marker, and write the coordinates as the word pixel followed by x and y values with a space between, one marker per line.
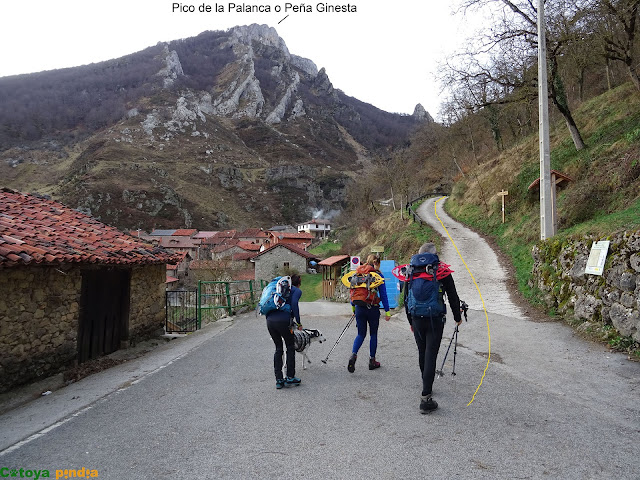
pixel 181 311
pixel 216 299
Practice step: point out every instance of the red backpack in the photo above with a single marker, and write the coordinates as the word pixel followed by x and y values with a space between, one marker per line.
pixel 364 295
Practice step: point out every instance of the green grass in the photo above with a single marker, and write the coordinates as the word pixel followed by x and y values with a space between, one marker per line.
pixel 326 249
pixel 311 287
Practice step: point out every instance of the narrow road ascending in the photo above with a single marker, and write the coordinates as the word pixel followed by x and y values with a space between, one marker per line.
pixel 482 261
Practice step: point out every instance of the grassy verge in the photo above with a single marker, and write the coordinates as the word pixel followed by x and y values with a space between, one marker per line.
pixel 311 287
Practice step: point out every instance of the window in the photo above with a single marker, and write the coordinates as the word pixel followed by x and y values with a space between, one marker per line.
pixel 286 265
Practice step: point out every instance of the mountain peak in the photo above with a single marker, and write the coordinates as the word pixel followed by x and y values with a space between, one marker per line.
pixel 421 114
pixel 263 34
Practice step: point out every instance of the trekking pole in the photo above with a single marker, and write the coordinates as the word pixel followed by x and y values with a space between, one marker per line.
pixel 455 351
pixel 441 371
pixel 339 338
pixel 463 308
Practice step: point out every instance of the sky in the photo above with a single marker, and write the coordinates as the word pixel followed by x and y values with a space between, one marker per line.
pixel 386 53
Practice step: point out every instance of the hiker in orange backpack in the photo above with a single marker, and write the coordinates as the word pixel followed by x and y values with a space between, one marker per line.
pixel 366 306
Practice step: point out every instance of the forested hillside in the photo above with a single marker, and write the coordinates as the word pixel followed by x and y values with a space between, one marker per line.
pixel 489 140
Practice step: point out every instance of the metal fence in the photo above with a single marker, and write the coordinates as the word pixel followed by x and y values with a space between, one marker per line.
pixel 187 310
pixel 217 299
pixel 181 311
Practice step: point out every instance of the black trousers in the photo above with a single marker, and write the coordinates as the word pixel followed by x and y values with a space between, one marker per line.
pixel 279 329
pixel 428 334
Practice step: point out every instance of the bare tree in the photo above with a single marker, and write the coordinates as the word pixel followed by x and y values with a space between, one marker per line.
pixel 499 67
pixel 616 24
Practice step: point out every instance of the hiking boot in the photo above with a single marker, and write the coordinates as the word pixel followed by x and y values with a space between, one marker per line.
pixel 373 364
pixel 292 381
pixel 427 404
pixel 279 383
pixel 352 363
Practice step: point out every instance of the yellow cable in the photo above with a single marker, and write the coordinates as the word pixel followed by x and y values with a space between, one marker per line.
pixel 435 209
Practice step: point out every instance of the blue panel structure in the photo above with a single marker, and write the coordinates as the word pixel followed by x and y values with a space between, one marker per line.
pixel 391 282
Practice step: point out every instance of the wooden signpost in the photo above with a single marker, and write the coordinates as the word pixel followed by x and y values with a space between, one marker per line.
pixel 503 194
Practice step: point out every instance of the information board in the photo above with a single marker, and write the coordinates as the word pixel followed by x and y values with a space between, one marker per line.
pixel 597 257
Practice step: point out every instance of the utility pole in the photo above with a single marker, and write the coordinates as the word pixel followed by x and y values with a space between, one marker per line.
pixel 547 228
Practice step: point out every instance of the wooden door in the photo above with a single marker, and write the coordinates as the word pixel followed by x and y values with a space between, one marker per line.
pixel 104 312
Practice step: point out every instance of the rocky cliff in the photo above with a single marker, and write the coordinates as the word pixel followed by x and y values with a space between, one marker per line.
pixel 220 130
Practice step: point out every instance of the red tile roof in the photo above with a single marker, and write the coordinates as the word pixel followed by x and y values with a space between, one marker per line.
pixel 288 246
pixel 184 232
pixel 253 233
pixel 333 260
pixel 252 247
pixel 38 231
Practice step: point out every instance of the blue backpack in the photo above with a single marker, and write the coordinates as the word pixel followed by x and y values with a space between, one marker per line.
pixel 275 296
pixel 424 296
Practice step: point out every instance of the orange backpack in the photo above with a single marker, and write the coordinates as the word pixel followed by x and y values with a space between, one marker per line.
pixel 363 295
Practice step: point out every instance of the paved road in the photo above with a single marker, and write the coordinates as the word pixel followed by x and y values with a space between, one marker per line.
pixel 550 406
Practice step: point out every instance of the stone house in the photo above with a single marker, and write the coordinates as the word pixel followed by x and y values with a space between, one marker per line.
pixel 72 288
pixel 281 258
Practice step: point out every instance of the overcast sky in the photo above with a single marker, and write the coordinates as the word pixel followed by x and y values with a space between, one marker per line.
pixel 385 54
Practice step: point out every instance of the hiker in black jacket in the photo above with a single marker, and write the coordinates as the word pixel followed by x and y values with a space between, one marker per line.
pixel 427 330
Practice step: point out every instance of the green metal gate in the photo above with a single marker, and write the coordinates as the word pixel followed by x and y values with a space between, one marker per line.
pixel 217 298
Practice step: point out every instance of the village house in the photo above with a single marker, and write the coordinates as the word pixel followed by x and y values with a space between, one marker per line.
pixel 280 259
pixel 319 228
pixel 72 288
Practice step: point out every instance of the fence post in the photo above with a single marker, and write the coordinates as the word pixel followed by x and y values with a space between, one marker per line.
pixel 228 298
pixel 251 292
pixel 199 305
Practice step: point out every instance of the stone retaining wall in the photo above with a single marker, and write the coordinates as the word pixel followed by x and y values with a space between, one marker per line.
pixel 40 313
pixel 613 298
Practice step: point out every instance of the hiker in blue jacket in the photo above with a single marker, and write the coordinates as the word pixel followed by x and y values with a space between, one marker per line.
pixel 367 312
pixel 428 331
pixel 280 326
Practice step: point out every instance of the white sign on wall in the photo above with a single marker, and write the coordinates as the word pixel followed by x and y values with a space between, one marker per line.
pixel 355 262
pixel 597 257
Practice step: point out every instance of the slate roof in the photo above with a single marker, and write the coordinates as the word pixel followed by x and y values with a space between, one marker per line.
pixel 162 233
pixel 37 231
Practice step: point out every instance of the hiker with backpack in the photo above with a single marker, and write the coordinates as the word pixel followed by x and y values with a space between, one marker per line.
pixel 366 307
pixel 280 323
pixel 427 282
